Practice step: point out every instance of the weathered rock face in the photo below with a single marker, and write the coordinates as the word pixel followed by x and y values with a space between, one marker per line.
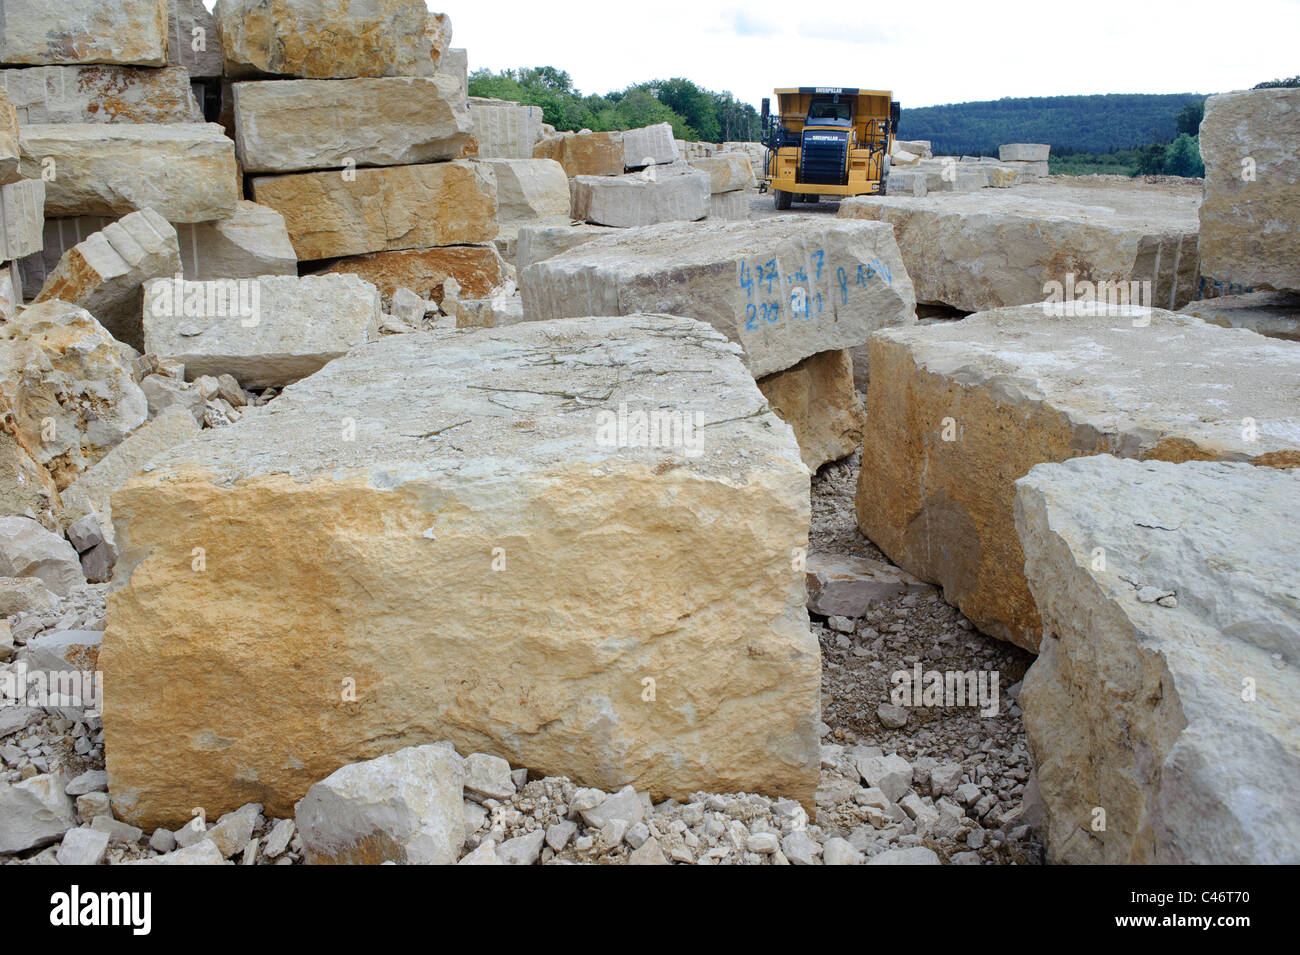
pixel 192 39
pixel 293 125
pixel 729 206
pixel 648 146
pixel 439 447
pixel 29 550
pixel 1275 314
pixel 405 807
pixel 185 172
pixel 663 194
pixel 36 32
pixel 252 242
pixel 68 388
pixel 331 39
pixel 1175 720
pixel 505 129
pixel 25 487
pixel 478 269
pixel 101 94
pixel 10 150
pixel 993 248
pixel 22 218
pixel 585 153
pixel 455 63
pixel 266 332
pixel 1250 218
pixel 817 398
pixel 529 191
pixel 401 207
pixel 959 411
pixel 728 172
pixel 537 242
pixel 794 288
pixel 105 274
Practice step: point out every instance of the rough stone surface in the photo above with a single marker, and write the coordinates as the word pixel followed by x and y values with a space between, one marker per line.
pixel 746 282
pixel 331 39
pixel 37 32
pixel 848 586
pixel 295 125
pixel 186 172
pixel 84 846
pixel 1024 152
pixel 994 248
pixel 34 813
pixel 477 269
pixel 252 242
pixel 529 191
pixel 641 199
pixel 648 146
pixel 400 207
pixel 728 172
pixel 1140 708
pixel 729 206
pixel 817 398
pixel 26 488
pixel 29 550
pixel 1015 387
pixel 436 448
pixel 537 242
pixel 101 94
pixel 1275 314
pixel 105 273
pixel 504 129
pixel 192 39
pixel 10 149
pixel 22 218
pixel 1250 217
pixel 584 153
pixel 291 329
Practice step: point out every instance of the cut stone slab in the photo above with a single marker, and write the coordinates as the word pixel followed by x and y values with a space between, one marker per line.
pixel 529 191
pixel 960 410
pixel 408 460
pixel 817 398
pixel 186 172
pixel 22 218
pixel 10 150
pixel 649 146
pixel 728 172
pixel 252 242
pixel 192 39
pixel 400 207
pixel 105 274
pixel 729 206
pixel 101 94
pixel 1275 314
pixel 776 290
pixel 29 550
pixel 504 129
pixel 295 125
pixel 58 236
pixel 537 242
pixel 477 269
pixel 849 586
pixel 584 153
pixel 267 332
pixel 641 199
pixel 1250 219
pixel 905 182
pixel 1024 152
pixel 37 32
pixel 455 63
pixel 34 813
pixel 1181 722
pixel 331 39
pixel 995 247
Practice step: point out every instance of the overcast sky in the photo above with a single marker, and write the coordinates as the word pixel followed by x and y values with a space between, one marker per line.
pixel 927 52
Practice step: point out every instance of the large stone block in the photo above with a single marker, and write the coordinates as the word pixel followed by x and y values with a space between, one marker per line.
pixel 648 146
pixel 477 269
pixel 1275 314
pixel 331 39
pixel 106 273
pixel 10 150
pixel 101 94
pixel 818 399
pixel 192 39
pixel 455 63
pixel 349 536
pixel 1250 219
pixel 584 153
pixel 529 191
pixel 186 172
pixel 729 206
pixel 293 125
pixel 57 237
pixel 504 129
pixel 794 288
pixel 960 410
pixel 537 242
pixel 993 248
pixel 22 218
pixel 1138 702
pixel 727 171
pixel 378 210
pixel 1024 152
pixel 266 332
pixel 252 242
pixel 38 32
pixel 662 194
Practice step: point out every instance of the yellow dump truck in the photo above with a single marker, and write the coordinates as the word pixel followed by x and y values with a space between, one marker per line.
pixel 827 141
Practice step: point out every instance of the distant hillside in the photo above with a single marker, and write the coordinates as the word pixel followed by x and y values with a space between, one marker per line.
pixel 1085 124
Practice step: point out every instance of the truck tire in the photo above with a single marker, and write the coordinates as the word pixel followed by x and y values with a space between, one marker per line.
pixel 781 198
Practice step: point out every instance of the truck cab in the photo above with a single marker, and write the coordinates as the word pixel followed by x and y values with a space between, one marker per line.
pixel 827 141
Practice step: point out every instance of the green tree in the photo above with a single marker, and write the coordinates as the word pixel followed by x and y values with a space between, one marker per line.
pixel 1189 117
pixel 1183 157
pixel 1289 83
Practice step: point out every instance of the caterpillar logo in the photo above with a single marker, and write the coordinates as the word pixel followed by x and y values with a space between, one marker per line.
pixel 829 89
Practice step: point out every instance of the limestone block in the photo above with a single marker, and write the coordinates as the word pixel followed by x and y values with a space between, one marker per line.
pixel 363 552
pixel 1135 703
pixel 960 410
pixel 1024 152
pixel 1031 170
pixel 22 218
pixel 267 332
pixel 848 586
pixel 727 171
pixel 641 199
pixel 37 32
pixel 504 129
pixel 57 237
pixel 729 206
pixel 477 269
pixel 904 182
pixel 186 172
pixel 192 39
pixel 529 191
pixel 10 150
pixel 1275 314
pixel 294 125
pixel 584 153
pixel 29 550
pixel 25 487
pixel 649 146
pixel 101 94
pixel 252 242
pixel 796 287
pixel 399 207
pixel 817 398
pixel 537 242
pixel 455 63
